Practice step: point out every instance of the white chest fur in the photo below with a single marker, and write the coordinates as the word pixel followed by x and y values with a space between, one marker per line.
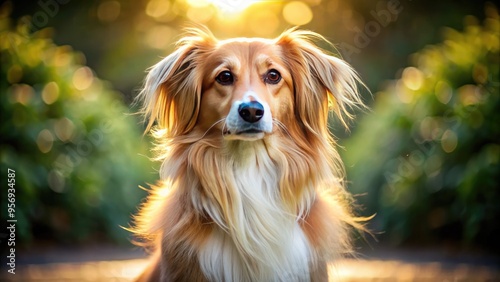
pixel 221 260
pixel 262 240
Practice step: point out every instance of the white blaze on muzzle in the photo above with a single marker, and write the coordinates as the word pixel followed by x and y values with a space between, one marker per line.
pixel 249 118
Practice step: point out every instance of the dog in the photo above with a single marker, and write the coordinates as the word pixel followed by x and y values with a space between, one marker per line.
pixel 252 187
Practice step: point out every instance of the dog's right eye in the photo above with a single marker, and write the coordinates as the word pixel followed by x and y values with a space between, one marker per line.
pixel 225 78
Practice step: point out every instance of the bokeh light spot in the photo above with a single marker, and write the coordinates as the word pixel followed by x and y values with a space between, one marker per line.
pixel 108 11
pixel 412 78
pixel 430 128
pixel 264 23
pixel 50 93
pixel 44 141
pixel 157 8
pixel 22 93
pixel 56 181
pixel 160 36
pixel 469 95
pixel 297 13
pixel 200 14
pixel 82 78
pixel 443 92
pixel 64 129
pixel 449 141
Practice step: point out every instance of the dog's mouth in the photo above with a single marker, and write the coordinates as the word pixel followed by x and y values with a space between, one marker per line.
pixel 249 131
pixel 248 134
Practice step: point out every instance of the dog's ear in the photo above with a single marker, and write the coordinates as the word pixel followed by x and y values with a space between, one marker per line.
pixel 321 82
pixel 172 90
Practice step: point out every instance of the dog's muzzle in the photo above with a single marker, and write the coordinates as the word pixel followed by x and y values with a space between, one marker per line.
pixel 248 120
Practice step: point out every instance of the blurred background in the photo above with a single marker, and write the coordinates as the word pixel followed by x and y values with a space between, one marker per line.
pixel 425 159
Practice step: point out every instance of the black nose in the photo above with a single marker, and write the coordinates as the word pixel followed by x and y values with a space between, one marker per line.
pixel 251 111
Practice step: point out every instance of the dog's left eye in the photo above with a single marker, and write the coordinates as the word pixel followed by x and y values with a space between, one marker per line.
pixel 225 78
pixel 272 77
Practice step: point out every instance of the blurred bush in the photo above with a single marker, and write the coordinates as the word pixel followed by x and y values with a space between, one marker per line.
pixel 78 156
pixel 428 155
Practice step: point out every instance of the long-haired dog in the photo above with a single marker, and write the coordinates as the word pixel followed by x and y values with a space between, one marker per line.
pixel 252 186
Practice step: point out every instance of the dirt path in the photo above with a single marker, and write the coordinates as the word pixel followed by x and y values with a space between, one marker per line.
pixel 381 266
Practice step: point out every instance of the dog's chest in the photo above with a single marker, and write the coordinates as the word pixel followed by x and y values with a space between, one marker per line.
pixel 263 241
pixel 222 260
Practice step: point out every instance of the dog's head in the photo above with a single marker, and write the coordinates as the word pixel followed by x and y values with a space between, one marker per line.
pixel 248 88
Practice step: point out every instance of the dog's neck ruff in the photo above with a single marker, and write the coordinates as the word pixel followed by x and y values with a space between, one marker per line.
pixel 259 238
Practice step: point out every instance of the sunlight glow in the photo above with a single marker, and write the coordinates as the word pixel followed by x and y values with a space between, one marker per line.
pixel 231 6
pixel 297 13
pixel 157 8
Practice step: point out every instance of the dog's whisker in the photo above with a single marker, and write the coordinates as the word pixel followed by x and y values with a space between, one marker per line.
pixel 224 127
pixel 212 126
pixel 283 127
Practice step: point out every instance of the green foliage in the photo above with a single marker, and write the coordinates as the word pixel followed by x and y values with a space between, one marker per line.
pixel 428 156
pixel 78 156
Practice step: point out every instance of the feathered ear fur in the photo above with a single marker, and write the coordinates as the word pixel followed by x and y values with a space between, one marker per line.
pixel 172 90
pixel 322 82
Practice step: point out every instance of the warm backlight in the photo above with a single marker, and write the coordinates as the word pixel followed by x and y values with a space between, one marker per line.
pixel 231 6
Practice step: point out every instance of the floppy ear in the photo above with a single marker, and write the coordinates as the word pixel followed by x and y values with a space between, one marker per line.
pixel 172 90
pixel 321 82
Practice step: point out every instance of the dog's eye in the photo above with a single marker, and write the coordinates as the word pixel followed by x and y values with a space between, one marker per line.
pixel 272 77
pixel 225 78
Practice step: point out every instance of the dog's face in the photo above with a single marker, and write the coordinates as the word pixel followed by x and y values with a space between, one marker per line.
pixel 246 85
pixel 248 88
